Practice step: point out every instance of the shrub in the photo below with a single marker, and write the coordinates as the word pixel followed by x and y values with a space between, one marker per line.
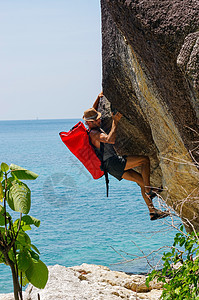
pixel 16 248
pixel 180 273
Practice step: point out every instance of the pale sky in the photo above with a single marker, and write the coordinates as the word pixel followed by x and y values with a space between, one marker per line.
pixel 50 58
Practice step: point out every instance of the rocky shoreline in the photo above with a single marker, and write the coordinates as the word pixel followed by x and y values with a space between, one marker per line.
pixel 91 282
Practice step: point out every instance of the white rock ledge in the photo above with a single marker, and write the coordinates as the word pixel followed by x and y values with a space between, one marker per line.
pixel 91 282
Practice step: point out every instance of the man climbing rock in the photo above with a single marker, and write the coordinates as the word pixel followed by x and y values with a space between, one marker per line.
pixel 121 167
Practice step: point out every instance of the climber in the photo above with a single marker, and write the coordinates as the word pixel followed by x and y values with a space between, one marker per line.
pixel 121 167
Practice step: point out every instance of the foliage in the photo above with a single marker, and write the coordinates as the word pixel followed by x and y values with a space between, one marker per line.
pixel 16 248
pixel 180 274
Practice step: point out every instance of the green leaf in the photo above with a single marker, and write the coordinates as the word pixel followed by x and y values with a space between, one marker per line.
pixel 2 217
pixel 22 173
pixel 2 259
pixel 167 297
pixel 37 274
pixel 4 167
pixel 29 220
pixel 11 255
pixel 26 221
pixel 24 260
pixel 19 197
pixel 2 229
pixel 23 239
pixel 168 254
pixel 177 291
pixel 34 255
pixel 26 227
pixel 1 192
pixel 183 281
pixel 35 248
pixel 182 241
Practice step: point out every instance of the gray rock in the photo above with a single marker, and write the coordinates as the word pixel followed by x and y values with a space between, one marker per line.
pixel 10 296
pixel 150 54
pixel 92 282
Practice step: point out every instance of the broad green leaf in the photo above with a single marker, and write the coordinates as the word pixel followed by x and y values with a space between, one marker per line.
pixel 1 192
pixel 3 184
pixel 26 227
pixel 2 229
pixel 29 220
pixel 1 175
pixel 2 220
pixel 23 226
pixel 24 260
pixel 23 239
pixel 22 173
pixel 37 274
pixel 26 221
pixel 4 167
pixel 34 255
pixel 19 197
pixel 2 217
pixel 35 248
pixel 11 255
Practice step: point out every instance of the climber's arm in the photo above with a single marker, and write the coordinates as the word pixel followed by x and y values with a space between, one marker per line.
pixel 96 103
pixel 107 138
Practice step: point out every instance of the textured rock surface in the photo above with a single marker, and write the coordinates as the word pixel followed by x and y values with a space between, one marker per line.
pixel 150 55
pixel 9 296
pixel 91 282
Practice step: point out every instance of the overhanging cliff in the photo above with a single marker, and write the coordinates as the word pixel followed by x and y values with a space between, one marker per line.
pixel 150 52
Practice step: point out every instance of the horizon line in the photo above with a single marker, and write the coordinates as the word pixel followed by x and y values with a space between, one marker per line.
pixel 40 119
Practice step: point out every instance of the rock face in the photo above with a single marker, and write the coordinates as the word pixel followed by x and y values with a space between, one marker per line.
pixel 150 52
pixel 91 282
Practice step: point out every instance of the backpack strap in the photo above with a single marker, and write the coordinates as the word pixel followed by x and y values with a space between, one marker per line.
pixel 103 168
pixel 100 156
pixel 107 182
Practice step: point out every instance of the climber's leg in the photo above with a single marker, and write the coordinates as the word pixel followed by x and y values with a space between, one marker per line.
pixel 144 163
pixel 132 175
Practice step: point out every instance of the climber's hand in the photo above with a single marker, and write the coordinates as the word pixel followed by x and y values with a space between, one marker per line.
pixel 116 117
pixel 101 95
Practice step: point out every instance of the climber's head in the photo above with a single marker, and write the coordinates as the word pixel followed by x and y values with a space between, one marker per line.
pixel 92 118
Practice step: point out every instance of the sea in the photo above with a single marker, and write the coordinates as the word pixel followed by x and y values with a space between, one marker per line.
pixel 79 224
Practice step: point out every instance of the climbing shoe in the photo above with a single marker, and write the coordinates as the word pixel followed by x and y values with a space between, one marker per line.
pixel 158 214
pixel 153 192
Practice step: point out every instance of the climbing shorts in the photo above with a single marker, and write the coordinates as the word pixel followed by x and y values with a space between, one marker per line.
pixel 115 166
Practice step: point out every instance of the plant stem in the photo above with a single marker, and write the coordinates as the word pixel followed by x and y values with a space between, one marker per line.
pixel 15 236
pixel 17 289
pixel 15 282
pixel 6 182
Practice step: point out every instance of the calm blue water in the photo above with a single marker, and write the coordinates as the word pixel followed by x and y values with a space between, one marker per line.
pixel 78 223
